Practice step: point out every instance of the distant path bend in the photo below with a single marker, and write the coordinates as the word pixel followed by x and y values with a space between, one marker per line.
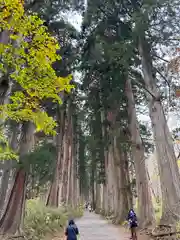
pixel 93 227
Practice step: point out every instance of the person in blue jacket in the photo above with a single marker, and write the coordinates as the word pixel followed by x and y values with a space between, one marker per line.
pixel 132 219
pixel 72 230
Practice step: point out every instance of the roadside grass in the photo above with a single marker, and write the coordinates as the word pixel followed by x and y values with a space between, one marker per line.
pixel 41 221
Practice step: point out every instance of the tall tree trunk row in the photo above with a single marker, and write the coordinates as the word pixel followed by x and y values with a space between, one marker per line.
pixel 145 207
pixel 167 163
pixel 12 218
pixel 114 196
pixel 64 190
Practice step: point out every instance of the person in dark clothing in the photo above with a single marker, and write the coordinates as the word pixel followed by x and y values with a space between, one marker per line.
pixel 72 231
pixel 132 219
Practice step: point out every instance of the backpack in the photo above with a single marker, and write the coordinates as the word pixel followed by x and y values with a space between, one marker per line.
pixel 132 217
pixel 71 233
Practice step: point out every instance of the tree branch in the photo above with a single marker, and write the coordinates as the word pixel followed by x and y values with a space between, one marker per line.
pixel 169 86
pixel 141 85
pixel 160 58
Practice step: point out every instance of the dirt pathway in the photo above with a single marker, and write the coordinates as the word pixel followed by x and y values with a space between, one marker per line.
pixel 93 227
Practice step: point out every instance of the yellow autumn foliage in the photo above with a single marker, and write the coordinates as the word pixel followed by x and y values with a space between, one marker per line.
pixel 27 59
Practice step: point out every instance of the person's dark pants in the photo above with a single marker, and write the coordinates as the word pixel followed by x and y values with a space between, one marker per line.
pixel 133 227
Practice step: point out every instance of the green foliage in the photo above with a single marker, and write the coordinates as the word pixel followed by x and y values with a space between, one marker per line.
pixel 41 220
pixel 27 59
pixel 42 163
pixel 51 10
pixel 110 56
pixel 6 153
pixel 74 213
pixel 146 138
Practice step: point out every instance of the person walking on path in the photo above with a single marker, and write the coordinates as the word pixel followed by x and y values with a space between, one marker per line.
pixel 132 219
pixel 72 231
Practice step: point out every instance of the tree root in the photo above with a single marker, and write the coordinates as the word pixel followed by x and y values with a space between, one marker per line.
pixel 161 232
pixel 10 237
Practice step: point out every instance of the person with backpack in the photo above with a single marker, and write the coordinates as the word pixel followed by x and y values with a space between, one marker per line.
pixel 86 205
pixel 90 208
pixel 71 231
pixel 132 219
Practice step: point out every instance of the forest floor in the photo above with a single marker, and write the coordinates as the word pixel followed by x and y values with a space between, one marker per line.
pixel 94 227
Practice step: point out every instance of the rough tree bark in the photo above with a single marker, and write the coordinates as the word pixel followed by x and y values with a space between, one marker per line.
pixel 153 175
pixel 145 206
pixel 77 192
pixel 69 166
pixel 73 175
pixel 98 198
pixel 11 220
pixel 113 177
pixel 4 89
pixel 53 198
pixel 64 167
pixel 121 184
pixel 104 161
pixel 129 188
pixel 110 181
pixel 168 168
pixel 72 180
pixel 93 175
pixel 67 169
pixel 7 168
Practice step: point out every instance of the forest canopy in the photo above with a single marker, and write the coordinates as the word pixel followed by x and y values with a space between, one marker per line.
pixel 27 53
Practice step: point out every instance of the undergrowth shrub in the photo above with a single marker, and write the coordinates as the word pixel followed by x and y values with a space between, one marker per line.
pixel 41 220
pixel 74 213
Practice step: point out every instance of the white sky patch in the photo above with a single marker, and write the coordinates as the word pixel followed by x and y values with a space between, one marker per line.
pixel 75 19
